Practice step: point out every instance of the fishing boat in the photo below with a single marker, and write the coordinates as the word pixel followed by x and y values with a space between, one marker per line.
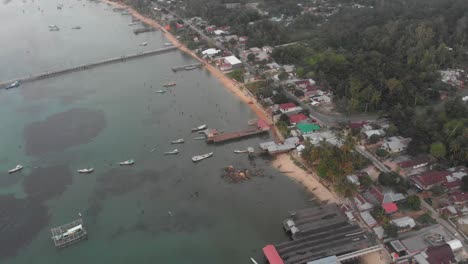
pixel 53 28
pixel 15 169
pixel 175 151
pixel 199 138
pixel 252 122
pixel 13 85
pixel 169 84
pixel 127 162
pixel 202 157
pixel 178 141
pixel 188 68
pixel 144 44
pixel 253 261
pixel 77 27
pixel 161 91
pixel 85 170
pixel 198 128
pixel 240 151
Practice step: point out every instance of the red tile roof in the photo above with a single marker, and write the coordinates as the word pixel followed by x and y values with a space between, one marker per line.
pixel 377 193
pixel 442 254
pixel 358 124
pixel 429 178
pixel 459 197
pixel 297 118
pixel 287 106
pixel 453 184
pixel 414 162
pixel 272 255
pixel 390 207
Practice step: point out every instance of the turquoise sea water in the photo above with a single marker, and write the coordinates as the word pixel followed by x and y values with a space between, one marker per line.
pixel 109 114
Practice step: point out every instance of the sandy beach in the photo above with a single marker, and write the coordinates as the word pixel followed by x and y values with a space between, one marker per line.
pixel 283 162
pixel 227 82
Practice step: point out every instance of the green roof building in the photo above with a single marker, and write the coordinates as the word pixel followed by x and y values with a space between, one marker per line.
pixel 307 128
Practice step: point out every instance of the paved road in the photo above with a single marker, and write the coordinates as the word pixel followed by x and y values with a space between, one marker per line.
pixel 329 120
pixel 372 158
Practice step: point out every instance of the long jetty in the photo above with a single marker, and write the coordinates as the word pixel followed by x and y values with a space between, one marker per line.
pixel 87 66
pixel 183 67
pixel 213 136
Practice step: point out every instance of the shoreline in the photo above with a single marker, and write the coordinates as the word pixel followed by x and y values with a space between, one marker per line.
pixel 227 82
pixel 308 179
pixel 283 161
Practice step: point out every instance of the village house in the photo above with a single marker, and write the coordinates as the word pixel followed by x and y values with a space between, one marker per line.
pixel 429 179
pixel 210 53
pixel 317 137
pixel 289 108
pixel 368 219
pixel 414 163
pixel 230 63
pixel 361 203
pixel 307 128
pixel 396 144
pixel 441 254
pixel 298 118
pixel 404 223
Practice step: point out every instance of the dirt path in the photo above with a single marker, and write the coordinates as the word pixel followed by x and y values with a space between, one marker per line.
pixel 227 82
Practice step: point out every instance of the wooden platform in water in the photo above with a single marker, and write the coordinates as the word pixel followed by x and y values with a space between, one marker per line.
pixel 64 242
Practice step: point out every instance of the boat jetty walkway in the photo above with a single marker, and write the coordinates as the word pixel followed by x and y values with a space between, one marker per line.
pixel 87 66
pixel 187 67
pixel 214 136
pixel 68 234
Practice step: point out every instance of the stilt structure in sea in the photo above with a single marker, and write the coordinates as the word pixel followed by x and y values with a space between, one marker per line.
pixel 68 234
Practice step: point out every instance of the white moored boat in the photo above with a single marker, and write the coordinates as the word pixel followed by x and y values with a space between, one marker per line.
pixel 199 138
pixel 167 44
pixel 202 157
pixel 144 44
pixel 169 84
pixel 198 128
pixel 127 162
pixel 161 91
pixel 240 151
pixel 175 151
pixel 85 170
pixel 178 141
pixel 15 169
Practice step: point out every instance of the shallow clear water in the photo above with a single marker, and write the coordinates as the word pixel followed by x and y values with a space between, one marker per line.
pixel 112 113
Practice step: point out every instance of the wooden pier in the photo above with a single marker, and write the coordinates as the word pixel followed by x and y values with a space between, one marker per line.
pixel 179 68
pixel 87 66
pixel 61 242
pixel 213 136
pixel 143 30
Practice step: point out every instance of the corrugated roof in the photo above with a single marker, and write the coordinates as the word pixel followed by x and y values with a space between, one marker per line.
pixel 308 128
pixel 404 222
pixel 390 207
pixel 272 255
pixel 296 118
pixel 232 60
pixel 287 106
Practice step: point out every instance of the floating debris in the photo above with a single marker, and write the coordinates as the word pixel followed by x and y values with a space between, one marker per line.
pixel 234 175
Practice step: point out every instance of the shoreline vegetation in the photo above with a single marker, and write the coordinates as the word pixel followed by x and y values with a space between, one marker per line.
pixel 283 162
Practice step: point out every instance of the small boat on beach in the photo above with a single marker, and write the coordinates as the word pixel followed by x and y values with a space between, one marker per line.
pixel 198 128
pixel 127 162
pixel 168 44
pixel 15 169
pixel 169 84
pixel 178 141
pixel 199 138
pixel 161 91
pixel 144 44
pixel 240 151
pixel 202 157
pixel 85 170
pixel 188 68
pixel 13 85
pixel 252 122
pixel 132 24
pixel 174 152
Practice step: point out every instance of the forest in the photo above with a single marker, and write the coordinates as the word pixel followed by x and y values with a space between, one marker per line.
pixel 375 59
